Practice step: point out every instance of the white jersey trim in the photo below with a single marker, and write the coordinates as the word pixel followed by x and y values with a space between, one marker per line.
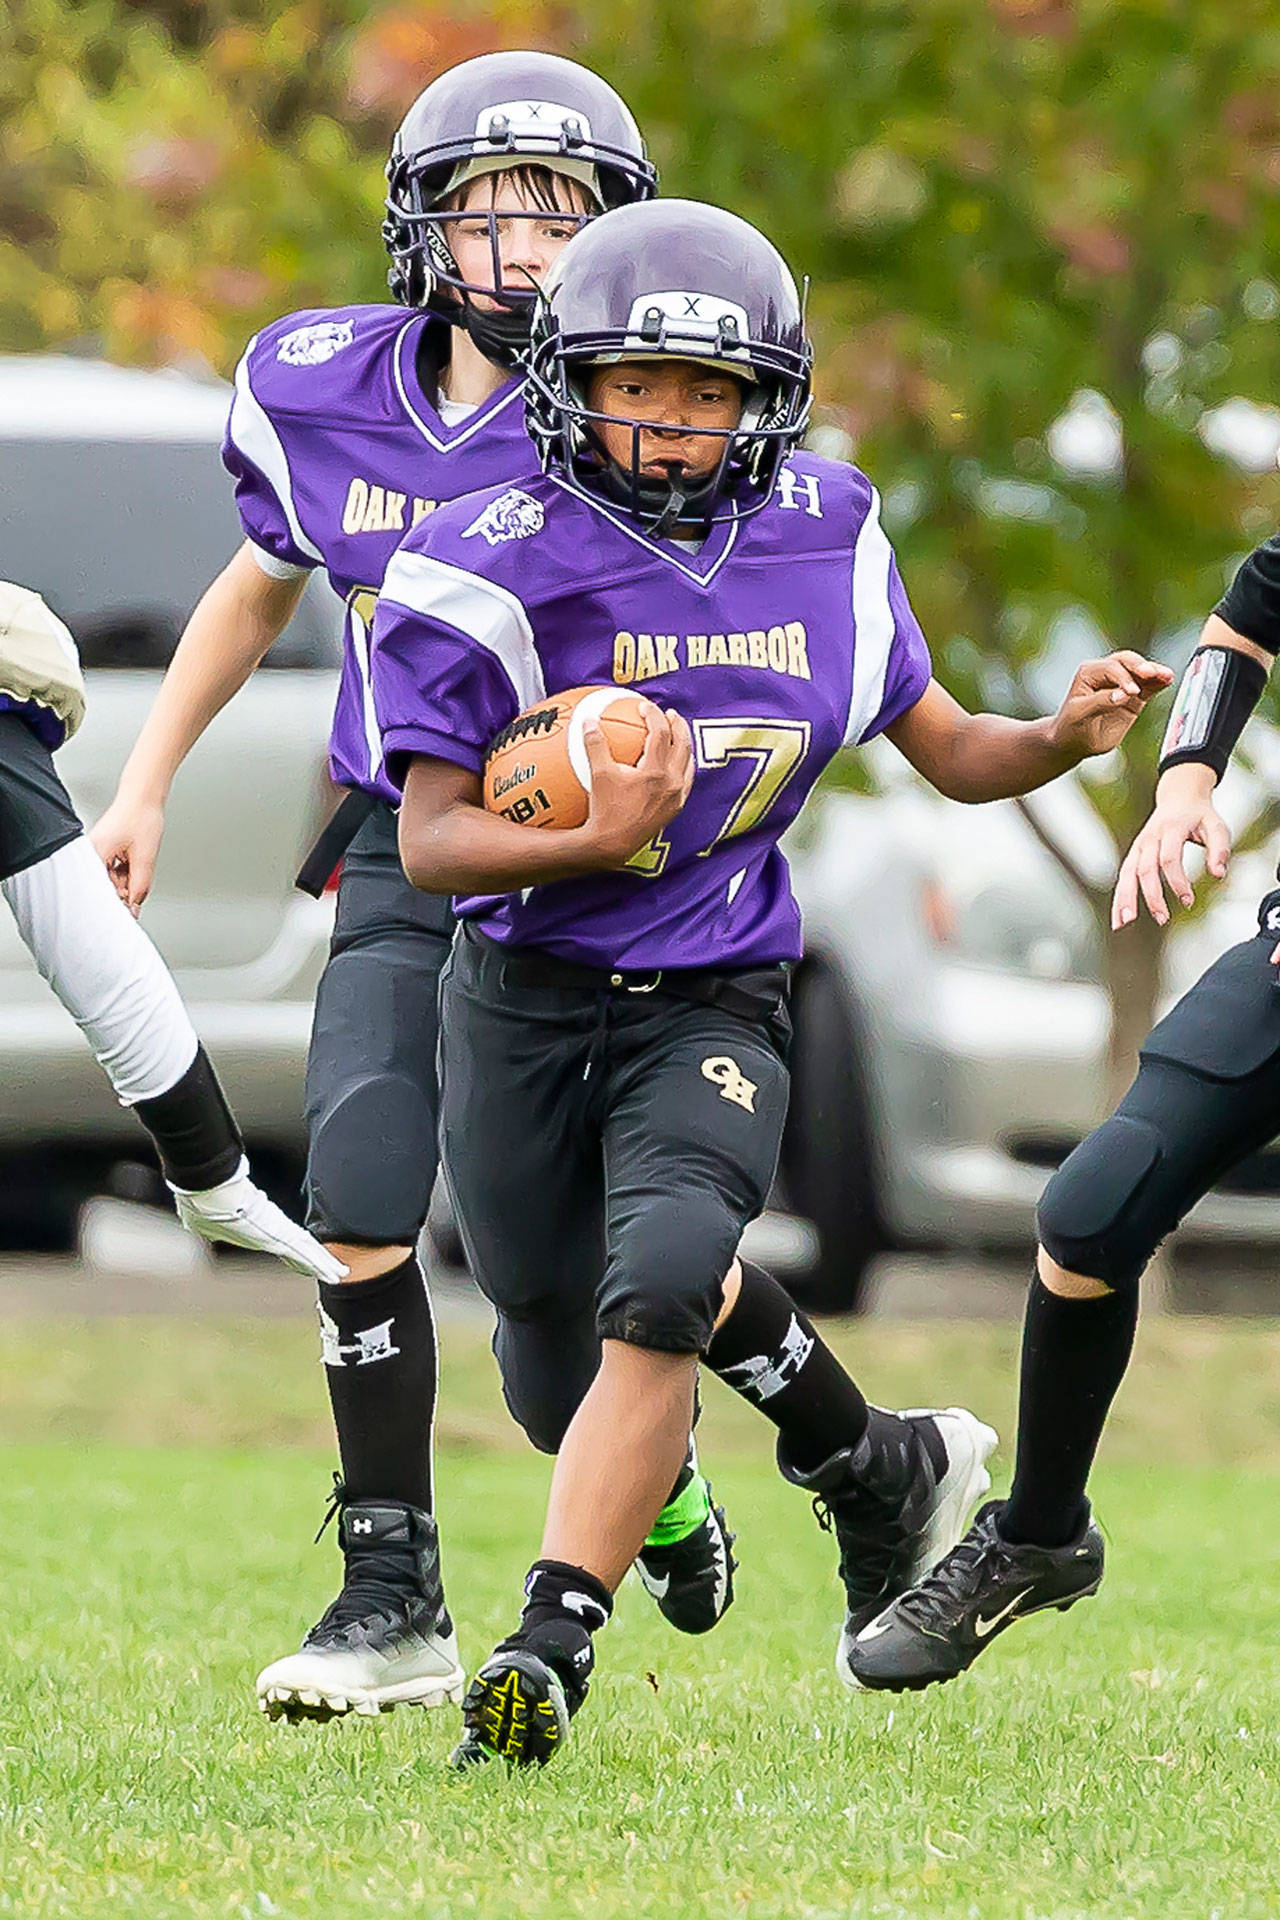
pixel 276 569
pixel 251 431
pixel 476 420
pixel 361 632
pixel 873 623
pixel 487 613
pixel 699 578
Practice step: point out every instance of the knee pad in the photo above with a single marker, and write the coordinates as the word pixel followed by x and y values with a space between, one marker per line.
pixel 665 1292
pixel 1091 1217
pixel 372 1163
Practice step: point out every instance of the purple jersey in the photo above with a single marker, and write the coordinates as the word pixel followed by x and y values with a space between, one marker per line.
pixel 337 451
pixel 42 720
pixel 783 638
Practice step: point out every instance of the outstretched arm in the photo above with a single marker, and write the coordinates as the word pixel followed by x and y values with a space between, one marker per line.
pixel 984 756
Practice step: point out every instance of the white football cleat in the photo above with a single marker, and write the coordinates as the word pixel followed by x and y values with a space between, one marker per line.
pixel 387 1640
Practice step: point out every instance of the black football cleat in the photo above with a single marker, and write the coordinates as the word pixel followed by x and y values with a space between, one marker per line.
pixel 519 1705
pixel 939 1627
pixel 387 1639
pixel 897 1502
pixel 692 1579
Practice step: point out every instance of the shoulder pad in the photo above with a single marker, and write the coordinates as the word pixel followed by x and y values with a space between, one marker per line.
pixel 326 361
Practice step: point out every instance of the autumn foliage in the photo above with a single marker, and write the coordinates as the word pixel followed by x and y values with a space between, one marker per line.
pixel 1032 226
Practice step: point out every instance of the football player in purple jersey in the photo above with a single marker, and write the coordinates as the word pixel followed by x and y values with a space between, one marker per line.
pixel 614 1024
pixel 350 425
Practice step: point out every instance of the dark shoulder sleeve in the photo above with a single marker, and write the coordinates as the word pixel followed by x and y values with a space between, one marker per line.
pixel 1251 604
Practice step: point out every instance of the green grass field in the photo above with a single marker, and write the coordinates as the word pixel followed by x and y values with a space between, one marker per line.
pixel 163 1480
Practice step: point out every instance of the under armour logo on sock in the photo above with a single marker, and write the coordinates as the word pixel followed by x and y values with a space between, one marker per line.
pixel 369 1344
pixel 589 1611
pixel 764 1374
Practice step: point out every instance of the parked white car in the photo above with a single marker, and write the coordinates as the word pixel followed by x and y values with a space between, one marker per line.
pixel 115 506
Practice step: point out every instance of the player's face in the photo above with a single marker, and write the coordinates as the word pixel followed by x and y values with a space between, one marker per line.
pixel 511 217
pixel 689 407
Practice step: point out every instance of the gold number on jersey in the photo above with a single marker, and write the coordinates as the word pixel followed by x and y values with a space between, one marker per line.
pixel 362 601
pixel 651 858
pixel 776 746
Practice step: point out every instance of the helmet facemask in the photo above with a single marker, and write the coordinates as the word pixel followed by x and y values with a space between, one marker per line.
pixel 775 409
pixel 426 270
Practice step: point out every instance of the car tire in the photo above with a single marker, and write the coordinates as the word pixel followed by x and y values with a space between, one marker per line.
pixel 829 1161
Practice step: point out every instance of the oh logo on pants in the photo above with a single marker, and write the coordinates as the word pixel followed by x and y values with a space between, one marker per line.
pixel 725 1073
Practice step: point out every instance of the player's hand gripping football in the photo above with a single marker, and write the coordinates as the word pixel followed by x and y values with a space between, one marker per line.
pixel 127 841
pixel 1184 815
pixel 1104 699
pixel 240 1215
pixel 630 804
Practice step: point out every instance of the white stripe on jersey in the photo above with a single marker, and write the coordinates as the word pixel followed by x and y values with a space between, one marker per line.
pixel 873 623
pixel 361 632
pixel 276 569
pixel 252 432
pixel 480 608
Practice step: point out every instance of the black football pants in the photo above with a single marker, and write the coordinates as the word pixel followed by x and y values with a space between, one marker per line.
pixel 604 1151
pixel 371 1068
pixel 1207 1095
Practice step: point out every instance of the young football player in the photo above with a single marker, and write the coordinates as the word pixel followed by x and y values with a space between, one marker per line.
pixel 614 1026
pixel 1206 1095
pixel 348 425
pixel 101 964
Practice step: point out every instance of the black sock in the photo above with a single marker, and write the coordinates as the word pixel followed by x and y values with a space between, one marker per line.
pixel 378 1341
pixel 563 1606
pixel 1074 1353
pixel 194 1129
pixel 770 1353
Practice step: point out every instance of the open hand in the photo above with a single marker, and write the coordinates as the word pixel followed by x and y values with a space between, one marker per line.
pixel 1104 699
pixel 1184 815
pixel 630 804
pixel 239 1214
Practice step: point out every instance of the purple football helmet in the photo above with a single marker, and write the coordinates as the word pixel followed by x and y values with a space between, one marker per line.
pixel 680 279
pixel 512 108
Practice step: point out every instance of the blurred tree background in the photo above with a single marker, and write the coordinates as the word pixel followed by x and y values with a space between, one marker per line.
pixel 1044 238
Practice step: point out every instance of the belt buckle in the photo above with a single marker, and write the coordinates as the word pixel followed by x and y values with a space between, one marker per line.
pixel 651 986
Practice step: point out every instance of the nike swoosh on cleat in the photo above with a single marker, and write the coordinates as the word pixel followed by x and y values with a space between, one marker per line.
pixel 873 1630
pixel 658 1588
pixel 983 1627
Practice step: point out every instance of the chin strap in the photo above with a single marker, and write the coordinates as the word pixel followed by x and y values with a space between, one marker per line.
pixel 669 518
pixel 502 336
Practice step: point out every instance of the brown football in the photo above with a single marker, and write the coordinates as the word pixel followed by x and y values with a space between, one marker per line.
pixel 536 771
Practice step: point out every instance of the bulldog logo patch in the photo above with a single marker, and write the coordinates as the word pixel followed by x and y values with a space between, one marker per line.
pixel 514 515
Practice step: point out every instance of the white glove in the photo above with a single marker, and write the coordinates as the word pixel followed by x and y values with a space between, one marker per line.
pixel 241 1215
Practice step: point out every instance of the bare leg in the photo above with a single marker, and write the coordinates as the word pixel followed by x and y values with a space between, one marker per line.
pixel 615 1468
pixel 366 1263
pixel 1067 1286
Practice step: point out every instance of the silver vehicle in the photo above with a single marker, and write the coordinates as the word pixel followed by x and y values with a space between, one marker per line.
pixel 951 1030
pixel 114 505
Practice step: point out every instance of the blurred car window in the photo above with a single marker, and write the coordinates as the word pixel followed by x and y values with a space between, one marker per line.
pixel 121 535
pixel 1028 929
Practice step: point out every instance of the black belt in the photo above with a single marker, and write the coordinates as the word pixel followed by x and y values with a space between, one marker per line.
pixel 316 871
pixel 751 994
